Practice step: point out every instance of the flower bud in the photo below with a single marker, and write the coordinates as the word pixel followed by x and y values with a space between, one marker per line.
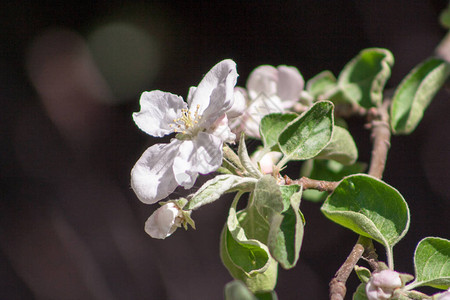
pixel 381 285
pixel 164 221
pixel 267 162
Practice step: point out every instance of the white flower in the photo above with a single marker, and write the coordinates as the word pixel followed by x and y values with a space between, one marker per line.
pixel 269 90
pixel 164 221
pixel 381 285
pixel 202 128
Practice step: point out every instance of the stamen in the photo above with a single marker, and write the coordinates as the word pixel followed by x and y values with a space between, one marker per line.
pixel 187 122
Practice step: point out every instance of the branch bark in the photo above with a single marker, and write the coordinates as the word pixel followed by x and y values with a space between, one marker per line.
pixel 308 183
pixel 381 136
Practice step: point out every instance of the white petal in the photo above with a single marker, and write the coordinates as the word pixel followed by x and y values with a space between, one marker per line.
pixel 191 95
pixel 290 83
pixel 200 155
pixel 239 103
pixel 224 73
pixel 152 176
pixel 161 223
pixel 222 130
pixel 262 81
pixel 158 111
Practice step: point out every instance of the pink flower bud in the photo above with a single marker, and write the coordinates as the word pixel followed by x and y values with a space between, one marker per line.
pixel 381 285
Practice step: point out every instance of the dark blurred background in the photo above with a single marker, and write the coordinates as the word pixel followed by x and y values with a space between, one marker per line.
pixel 71 73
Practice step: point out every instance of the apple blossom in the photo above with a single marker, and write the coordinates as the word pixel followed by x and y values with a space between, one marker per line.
pixel 201 125
pixel 164 221
pixel 269 90
pixel 381 285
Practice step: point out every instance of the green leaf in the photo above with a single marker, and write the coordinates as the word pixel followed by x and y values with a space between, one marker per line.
pixel 371 208
pixel 262 281
pixel 363 274
pixel 255 226
pixel 287 228
pixel 245 159
pixel 432 263
pixel 216 187
pixel 271 126
pixel 237 290
pixel 363 78
pixel 444 17
pixel 360 293
pixel 327 170
pixel 267 197
pixel 415 93
pixel 342 147
pixel 321 84
pixel 309 133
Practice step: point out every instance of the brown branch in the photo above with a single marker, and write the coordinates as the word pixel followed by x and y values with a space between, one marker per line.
pixel 337 284
pixel 381 136
pixel 308 183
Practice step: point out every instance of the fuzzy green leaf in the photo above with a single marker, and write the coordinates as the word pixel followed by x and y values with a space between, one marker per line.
pixel 369 207
pixel 321 84
pixel 342 147
pixel 363 78
pixel 245 159
pixel 271 126
pixel 415 93
pixel 287 228
pixel 309 133
pixel 432 263
pixel 267 197
pixel 216 187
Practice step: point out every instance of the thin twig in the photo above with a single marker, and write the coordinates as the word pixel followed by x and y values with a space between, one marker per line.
pixel 337 284
pixel 308 183
pixel 381 136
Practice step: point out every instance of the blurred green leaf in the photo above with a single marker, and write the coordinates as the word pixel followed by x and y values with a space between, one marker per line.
pixel 309 133
pixel 321 84
pixel 360 293
pixel 342 147
pixel 444 17
pixel 237 290
pixel 432 263
pixel 369 207
pixel 415 93
pixel 363 78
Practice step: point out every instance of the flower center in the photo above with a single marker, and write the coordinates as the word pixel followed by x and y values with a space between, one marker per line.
pixel 187 123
